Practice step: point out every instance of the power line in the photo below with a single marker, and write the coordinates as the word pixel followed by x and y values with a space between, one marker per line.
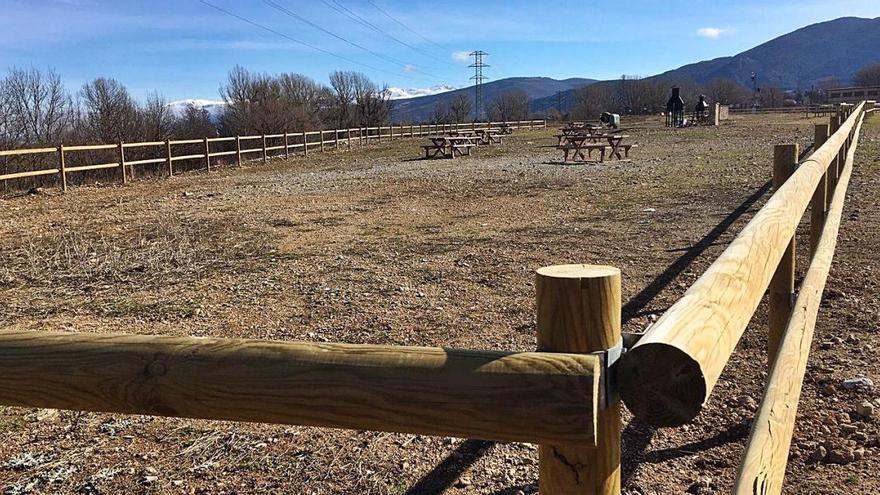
pixel 420 35
pixel 478 78
pixel 300 18
pixel 278 33
pixel 342 9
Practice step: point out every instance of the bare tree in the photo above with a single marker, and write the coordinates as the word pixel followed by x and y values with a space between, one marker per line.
pixel 868 75
pixel 157 119
pixel 460 108
pixel 727 92
pixel 509 106
pixel 372 105
pixel 592 100
pixel 303 100
pixel 440 115
pixel 34 107
pixel 343 84
pixel 111 114
pixel 265 104
pixel 194 123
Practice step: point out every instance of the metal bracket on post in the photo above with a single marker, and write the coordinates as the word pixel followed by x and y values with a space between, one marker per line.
pixel 608 393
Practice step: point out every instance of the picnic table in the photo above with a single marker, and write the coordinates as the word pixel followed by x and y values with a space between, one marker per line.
pixel 488 136
pixel 450 146
pixel 580 147
pixel 593 133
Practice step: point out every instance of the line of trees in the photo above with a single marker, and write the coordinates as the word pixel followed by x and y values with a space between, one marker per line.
pixel 37 110
pixel 507 106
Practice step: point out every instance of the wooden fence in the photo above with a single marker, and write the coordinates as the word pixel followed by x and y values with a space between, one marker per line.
pixel 563 397
pixel 266 146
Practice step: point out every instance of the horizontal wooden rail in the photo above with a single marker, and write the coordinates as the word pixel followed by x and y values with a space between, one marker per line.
pixel 90 147
pixel 219 139
pixel 245 138
pixel 187 141
pixel 187 157
pixel 146 161
pixel 523 397
pixel 143 145
pixel 222 153
pixel 767 450
pixel 32 173
pixel 252 150
pixel 274 136
pixel 667 377
pixel 83 168
pixel 29 151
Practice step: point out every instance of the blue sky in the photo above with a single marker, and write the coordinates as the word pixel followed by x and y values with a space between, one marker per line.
pixel 184 48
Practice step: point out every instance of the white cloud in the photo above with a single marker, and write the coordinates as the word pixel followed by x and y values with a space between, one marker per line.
pixel 712 32
pixel 461 56
pixel 409 68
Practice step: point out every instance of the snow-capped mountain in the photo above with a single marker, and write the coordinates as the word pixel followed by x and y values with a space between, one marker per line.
pixel 404 93
pixel 214 107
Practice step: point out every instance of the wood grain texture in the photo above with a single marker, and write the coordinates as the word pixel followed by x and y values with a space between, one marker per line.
pixel 781 290
pixel 763 468
pixel 578 310
pixel 524 397
pixel 667 377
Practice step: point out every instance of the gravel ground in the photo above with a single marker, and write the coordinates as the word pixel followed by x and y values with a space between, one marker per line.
pixel 383 248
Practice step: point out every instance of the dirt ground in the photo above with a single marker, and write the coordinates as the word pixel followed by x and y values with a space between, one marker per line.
pixel 384 248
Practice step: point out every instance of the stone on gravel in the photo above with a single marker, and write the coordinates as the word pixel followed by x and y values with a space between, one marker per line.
pixel 841 456
pixel 856 383
pixel 701 486
pixel 747 402
pixel 865 409
pixel 818 454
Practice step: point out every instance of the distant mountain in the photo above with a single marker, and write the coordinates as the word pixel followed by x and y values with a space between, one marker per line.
pixel 214 107
pixel 827 50
pixel 404 93
pixel 832 50
pixel 421 108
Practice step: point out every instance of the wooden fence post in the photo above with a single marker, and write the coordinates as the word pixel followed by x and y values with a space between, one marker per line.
pixel 121 151
pixel 348 138
pixel 306 143
pixel 579 311
pixel 819 203
pixel 238 151
pixel 336 141
pixel 265 157
pixel 322 140
pixel 286 146
pixel 782 285
pixel 61 170
pixel 168 158
pixel 207 154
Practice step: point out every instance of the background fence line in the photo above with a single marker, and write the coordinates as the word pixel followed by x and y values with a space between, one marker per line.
pixel 289 142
